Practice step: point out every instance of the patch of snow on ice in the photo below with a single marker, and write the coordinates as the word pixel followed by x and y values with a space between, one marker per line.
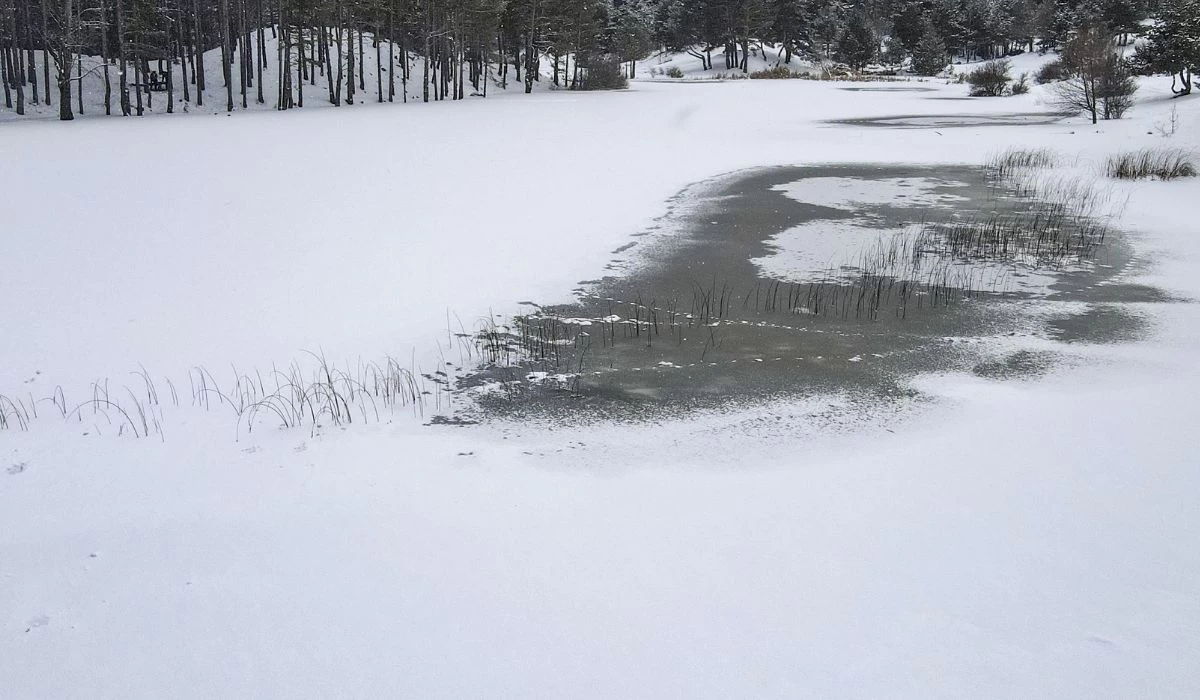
pixel 816 250
pixel 854 192
pixel 828 250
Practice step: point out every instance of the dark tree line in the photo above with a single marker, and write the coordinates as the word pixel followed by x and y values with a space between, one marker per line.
pixel 144 50
pixel 857 32
pixel 322 47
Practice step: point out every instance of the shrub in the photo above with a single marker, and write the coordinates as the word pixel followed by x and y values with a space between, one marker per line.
pixel 603 73
pixel 1161 163
pixel 674 72
pixel 1170 126
pixel 1021 86
pixel 858 44
pixel 776 73
pixel 1117 87
pixel 1051 72
pixel 990 79
pixel 1099 81
pixel 837 71
pixel 929 55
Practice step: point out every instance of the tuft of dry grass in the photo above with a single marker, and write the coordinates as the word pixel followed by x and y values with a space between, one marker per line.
pixel 1160 163
pixel 316 394
pixel 1005 163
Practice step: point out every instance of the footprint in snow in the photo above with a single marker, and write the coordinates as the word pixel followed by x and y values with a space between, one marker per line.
pixel 17 468
pixel 39 621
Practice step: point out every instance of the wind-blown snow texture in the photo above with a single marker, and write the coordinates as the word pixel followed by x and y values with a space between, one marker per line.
pixel 1010 539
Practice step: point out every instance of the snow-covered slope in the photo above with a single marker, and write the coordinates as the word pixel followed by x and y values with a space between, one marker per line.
pixel 685 65
pixel 315 88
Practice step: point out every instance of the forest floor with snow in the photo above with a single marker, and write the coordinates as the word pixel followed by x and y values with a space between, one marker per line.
pixel 1021 536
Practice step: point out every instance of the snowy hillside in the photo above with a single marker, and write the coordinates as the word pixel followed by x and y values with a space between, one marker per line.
pixel 373 80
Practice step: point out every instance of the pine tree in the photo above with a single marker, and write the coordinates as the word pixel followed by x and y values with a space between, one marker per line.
pixel 929 57
pixel 857 46
pixel 790 28
pixel 1174 44
pixel 908 25
pixel 1122 17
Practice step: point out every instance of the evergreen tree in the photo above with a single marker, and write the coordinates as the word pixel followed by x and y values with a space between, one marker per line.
pixel 929 58
pixel 908 25
pixel 1122 17
pixel 827 27
pixel 1174 44
pixel 857 45
pixel 1061 20
pixel 630 32
pixel 790 27
pixel 949 18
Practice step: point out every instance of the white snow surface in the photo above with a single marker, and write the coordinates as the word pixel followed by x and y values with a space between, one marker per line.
pixel 1031 538
pixel 831 250
pixel 824 249
pixel 853 192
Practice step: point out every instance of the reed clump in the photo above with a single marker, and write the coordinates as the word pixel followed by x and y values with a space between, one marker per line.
pixel 1157 163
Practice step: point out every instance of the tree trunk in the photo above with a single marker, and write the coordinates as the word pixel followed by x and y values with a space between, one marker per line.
pixel 46 58
pixel 4 71
pixel 104 56
pixel 122 62
pixel 392 51
pixel 361 85
pixel 262 42
pixel 198 70
pixel 139 78
pixel 299 66
pixel 64 61
pixel 350 67
pixel 181 46
pixel 170 89
pixel 328 65
pixel 243 64
pixel 31 63
pixel 145 73
pixel 340 60
pixel 64 98
pixel 226 56
pixel 79 87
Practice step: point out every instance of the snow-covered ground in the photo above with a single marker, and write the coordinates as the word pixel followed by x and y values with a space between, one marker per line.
pixel 1009 539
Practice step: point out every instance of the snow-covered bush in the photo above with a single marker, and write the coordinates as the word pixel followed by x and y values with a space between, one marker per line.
pixel 603 73
pixel 1051 72
pixel 776 73
pixel 990 79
